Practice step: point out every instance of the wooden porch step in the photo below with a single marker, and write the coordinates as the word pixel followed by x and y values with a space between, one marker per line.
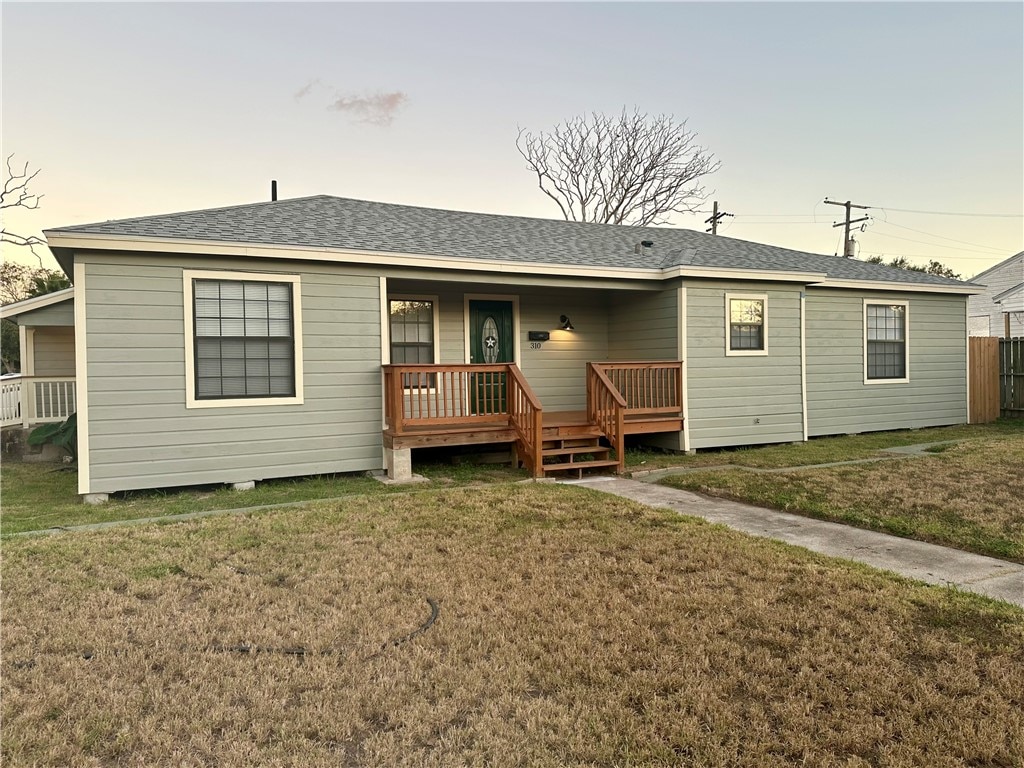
pixel 576 449
pixel 580 465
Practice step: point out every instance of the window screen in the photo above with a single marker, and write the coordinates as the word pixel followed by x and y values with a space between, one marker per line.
pixel 244 339
pixel 887 341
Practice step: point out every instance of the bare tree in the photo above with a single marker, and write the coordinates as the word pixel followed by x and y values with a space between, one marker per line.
pixel 624 169
pixel 16 194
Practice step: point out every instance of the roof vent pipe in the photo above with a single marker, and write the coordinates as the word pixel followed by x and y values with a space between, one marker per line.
pixel 639 248
pixel 273 190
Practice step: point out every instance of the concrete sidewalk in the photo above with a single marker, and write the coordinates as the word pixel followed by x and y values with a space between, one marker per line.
pixel 914 559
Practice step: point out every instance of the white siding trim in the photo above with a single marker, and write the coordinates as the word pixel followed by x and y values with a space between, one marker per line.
pixel 906 338
pixel 27 340
pixel 763 298
pixel 385 354
pixel 187 275
pixel 682 356
pixel 803 359
pixel 81 380
pixel 967 356
pixel 385 323
pixel 514 298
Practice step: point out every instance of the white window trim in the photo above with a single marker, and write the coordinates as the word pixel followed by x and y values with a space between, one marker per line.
pixel 762 297
pixel 436 313
pixel 437 329
pixel 187 276
pixel 906 339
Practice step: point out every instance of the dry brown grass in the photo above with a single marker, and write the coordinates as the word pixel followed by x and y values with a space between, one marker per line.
pixel 971 495
pixel 574 629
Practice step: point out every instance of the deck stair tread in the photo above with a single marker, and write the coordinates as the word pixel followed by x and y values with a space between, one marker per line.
pixel 581 465
pixel 576 449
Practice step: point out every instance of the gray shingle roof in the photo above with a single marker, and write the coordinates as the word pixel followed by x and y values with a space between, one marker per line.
pixel 335 222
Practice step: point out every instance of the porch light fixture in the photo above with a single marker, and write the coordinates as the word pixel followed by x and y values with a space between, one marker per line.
pixel 566 323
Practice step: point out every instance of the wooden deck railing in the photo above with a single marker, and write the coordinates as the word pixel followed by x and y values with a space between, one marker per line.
pixel 448 395
pixel 648 387
pixel 32 400
pixel 606 408
pixel 526 415
pixel 418 397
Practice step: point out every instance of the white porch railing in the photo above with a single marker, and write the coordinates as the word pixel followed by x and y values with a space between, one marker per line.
pixel 36 400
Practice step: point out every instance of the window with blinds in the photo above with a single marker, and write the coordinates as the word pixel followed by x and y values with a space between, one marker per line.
pixel 244 339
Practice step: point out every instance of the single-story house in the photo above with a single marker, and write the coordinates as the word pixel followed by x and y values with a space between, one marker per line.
pixel 999 309
pixel 325 334
pixel 45 390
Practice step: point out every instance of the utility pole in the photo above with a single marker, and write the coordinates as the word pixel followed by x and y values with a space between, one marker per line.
pixel 847 243
pixel 713 221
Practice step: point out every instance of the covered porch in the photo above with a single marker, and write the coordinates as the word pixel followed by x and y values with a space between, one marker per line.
pixel 430 405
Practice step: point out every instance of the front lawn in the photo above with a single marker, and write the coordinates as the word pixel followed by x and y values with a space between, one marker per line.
pixel 573 628
pixel 969 495
pixel 36 496
pixel 823 450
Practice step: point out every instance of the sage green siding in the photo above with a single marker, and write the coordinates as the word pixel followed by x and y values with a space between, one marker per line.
pixel 644 325
pixel 60 314
pixel 742 400
pixel 54 351
pixel 141 435
pixel 838 400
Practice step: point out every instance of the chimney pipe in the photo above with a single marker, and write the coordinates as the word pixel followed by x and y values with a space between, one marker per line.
pixel 273 190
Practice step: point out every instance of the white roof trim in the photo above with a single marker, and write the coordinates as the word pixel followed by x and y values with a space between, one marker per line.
pixel 93 241
pixel 37 302
pixel 1002 263
pixel 1008 293
pixel 879 285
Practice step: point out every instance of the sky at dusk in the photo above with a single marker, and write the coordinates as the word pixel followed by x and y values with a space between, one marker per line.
pixel 133 109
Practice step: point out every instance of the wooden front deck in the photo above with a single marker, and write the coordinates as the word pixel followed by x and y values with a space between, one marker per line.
pixel 451 405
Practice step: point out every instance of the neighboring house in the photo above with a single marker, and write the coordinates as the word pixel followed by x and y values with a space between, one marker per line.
pixel 45 390
pixel 325 334
pixel 1001 304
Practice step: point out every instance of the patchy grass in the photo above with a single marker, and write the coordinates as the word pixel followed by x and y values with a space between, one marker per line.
pixel 37 496
pixel 969 495
pixel 824 450
pixel 574 629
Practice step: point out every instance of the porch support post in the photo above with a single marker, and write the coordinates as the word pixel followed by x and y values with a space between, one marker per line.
pixel 398 463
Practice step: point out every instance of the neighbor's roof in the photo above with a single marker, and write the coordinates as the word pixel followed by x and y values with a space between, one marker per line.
pixel 37 302
pixel 341 223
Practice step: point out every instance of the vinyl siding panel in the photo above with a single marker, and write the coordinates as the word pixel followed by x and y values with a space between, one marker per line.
pixel 142 435
pixel 644 325
pixel 62 313
pixel 987 315
pixel 838 400
pixel 742 400
pixel 54 351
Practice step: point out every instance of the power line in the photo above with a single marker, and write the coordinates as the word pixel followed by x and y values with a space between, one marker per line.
pixel 934 245
pixel 952 213
pixel 940 237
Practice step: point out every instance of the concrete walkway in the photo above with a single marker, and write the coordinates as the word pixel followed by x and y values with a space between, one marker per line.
pixel 914 559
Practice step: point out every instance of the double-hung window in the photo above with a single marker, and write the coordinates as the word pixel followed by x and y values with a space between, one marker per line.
pixel 885 342
pixel 244 339
pixel 745 324
pixel 413 327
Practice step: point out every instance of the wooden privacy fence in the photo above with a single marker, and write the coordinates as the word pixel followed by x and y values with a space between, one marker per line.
pixel 984 378
pixel 1011 376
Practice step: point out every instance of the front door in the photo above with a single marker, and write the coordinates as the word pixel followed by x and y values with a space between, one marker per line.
pixel 491 340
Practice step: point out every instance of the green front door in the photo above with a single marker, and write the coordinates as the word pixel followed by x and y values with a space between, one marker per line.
pixel 491 340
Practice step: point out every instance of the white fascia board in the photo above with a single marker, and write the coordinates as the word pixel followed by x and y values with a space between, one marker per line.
pixel 878 285
pixel 89 241
pixel 37 302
